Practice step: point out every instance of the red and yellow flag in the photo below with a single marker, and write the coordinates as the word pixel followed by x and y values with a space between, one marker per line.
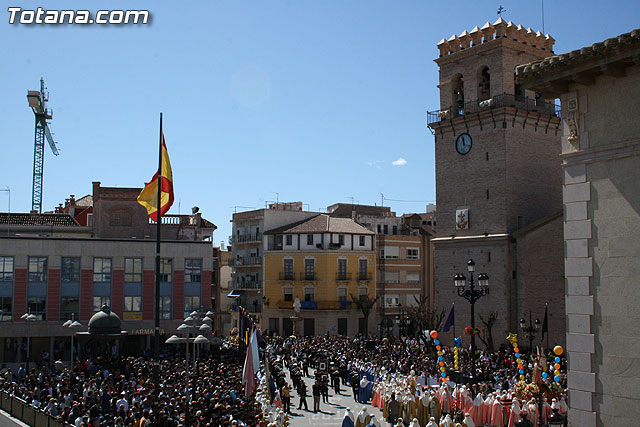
pixel 149 195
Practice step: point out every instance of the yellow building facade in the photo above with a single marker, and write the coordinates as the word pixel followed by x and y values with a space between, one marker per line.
pixel 323 263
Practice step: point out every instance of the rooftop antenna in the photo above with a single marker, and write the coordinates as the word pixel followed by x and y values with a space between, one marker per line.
pixel 381 199
pixel 501 10
pixel 235 208
pixel 542 1
pixel 277 196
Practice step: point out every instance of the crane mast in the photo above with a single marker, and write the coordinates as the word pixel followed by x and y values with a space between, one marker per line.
pixel 38 103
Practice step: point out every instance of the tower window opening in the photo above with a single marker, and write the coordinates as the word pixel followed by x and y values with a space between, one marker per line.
pixel 458 96
pixel 484 87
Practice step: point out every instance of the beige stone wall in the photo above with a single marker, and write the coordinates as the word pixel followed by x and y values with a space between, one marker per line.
pixel 614 210
pixel 604 106
pixel 602 209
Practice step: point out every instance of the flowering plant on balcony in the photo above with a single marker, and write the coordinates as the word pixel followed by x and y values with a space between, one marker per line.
pixel 471 331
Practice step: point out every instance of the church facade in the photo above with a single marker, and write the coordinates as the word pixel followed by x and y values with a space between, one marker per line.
pixel 498 183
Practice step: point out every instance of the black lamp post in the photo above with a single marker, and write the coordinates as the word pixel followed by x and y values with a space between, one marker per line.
pixel 401 322
pixel 472 295
pixel 530 330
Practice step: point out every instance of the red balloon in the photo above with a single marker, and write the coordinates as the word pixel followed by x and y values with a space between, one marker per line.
pixel 434 334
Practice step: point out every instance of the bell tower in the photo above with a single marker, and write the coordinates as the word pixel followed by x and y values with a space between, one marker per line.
pixel 498 169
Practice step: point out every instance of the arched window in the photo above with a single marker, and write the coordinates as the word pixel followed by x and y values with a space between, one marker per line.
pixel 458 95
pixel 484 84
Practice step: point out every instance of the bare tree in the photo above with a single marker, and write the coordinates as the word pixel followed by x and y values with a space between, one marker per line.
pixel 365 304
pixel 423 317
pixel 487 334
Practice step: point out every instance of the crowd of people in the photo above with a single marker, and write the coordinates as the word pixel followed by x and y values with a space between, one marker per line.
pixel 402 378
pixel 120 391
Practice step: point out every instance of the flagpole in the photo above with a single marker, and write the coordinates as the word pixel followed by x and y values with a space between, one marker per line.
pixel 156 339
pixel 453 306
pixel 546 319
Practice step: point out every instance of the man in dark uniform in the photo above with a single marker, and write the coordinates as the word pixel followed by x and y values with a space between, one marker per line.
pixel 302 391
pixel 355 384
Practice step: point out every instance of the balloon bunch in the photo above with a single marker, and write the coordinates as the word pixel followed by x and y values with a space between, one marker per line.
pixel 436 341
pixel 513 339
pixel 458 344
pixel 558 350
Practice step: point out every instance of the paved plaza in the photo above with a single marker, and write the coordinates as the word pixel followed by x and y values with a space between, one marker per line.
pixel 332 413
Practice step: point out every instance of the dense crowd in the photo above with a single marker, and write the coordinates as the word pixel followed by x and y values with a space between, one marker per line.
pixel 374 368
pixel 120 392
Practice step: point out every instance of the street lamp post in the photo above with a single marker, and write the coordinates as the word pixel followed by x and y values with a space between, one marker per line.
pixel 472 295
pixel 191 323
pixel 72 324
pixel 28 317
pixel 530 330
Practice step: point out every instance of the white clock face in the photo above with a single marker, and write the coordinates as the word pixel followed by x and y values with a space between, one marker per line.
pixel 463 143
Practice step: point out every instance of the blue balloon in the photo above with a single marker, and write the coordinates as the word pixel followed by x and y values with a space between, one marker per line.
pixel 557 359
pixel 458 341
pixel 440 358
pixel 437 342
pixel 521 371
pixel 517 355
pixel 442 374
pixel 556 378
pixel 545 375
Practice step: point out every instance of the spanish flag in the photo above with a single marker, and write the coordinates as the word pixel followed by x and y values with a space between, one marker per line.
pixel 149 195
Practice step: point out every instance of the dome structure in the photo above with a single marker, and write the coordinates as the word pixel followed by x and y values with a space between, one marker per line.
pixel 104 322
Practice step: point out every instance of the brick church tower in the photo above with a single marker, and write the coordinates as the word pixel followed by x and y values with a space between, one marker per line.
pixel 498 177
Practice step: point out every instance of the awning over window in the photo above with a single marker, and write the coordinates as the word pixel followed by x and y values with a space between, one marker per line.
pixel 234 294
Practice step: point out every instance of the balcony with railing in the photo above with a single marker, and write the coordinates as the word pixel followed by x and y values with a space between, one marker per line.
pixel 363 277
pixel 308 276
pixel 250 261
pixel 245 284
pixel 498 101
pixel 286 275
pixel 245 238
pixel 317 305
pixel 343 277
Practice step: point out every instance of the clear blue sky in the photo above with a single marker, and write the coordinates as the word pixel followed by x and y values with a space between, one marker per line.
pixel 310 99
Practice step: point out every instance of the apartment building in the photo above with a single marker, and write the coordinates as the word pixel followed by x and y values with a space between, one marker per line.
pixel 54 268
pixel 404 262
pixel 247 254
pixel 324 263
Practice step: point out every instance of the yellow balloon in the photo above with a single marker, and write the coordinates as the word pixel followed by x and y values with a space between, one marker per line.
pixel 557 372
pixel 558 350
pixel 519 360
pixel 442 369
pixel 521 377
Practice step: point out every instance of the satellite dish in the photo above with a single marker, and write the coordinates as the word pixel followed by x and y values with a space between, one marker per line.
pixel 194 210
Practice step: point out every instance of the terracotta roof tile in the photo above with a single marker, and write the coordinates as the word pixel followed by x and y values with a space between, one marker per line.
pixel 323 224
pixel 51 219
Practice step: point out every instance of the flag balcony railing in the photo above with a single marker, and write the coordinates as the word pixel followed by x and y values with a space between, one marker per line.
pixel 317 305
pixel 497 101
pixel 172 219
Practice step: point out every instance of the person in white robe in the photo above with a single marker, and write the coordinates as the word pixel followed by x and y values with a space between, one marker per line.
pixel 349 419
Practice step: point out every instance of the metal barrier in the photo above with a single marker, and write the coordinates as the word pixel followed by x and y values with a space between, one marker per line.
pixel 26 413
